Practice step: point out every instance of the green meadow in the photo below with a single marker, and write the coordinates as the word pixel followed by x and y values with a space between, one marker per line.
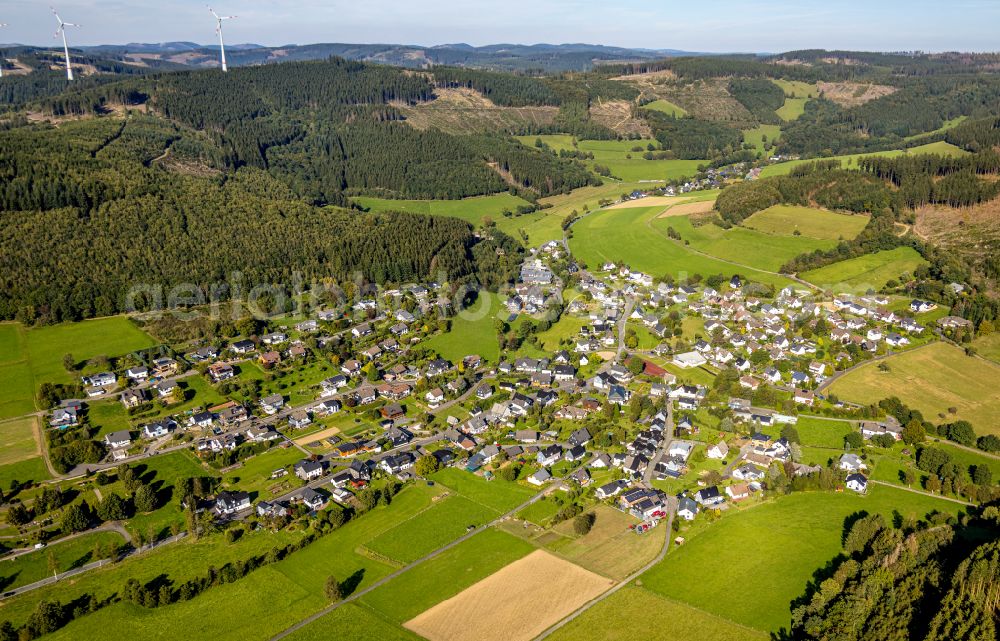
pixel 636 237
pixel 756 136
pixel 741 245
pixel 67 555
pixel 472 210
pixel 850 161
pixel 473 331
pixel 792 109
pixel 868 271
pixel 772 550
pixel 622 157
pixel 808 221
pixel 667 107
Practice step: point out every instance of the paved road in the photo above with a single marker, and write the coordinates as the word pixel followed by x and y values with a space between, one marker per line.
pixel 357 595
pixel 629 302
pixel 647 476
pixel 667 530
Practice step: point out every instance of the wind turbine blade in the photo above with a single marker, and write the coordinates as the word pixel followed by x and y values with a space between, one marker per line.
pixel 70 24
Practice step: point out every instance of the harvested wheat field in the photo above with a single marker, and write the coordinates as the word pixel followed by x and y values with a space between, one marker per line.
pixel 687 209
pixel 515 604
pixel 650 201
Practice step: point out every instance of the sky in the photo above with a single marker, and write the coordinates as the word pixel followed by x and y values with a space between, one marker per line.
pixel 709 26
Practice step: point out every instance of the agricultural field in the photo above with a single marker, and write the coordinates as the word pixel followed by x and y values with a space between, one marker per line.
pixel 871 271
pixel 473 331
pixel 667 107
pixel 498 495
pixel 631 613
pixel 850 161
pixel 610 549
pixel 34 566
pixel 757 135
pixel 740 245
pixel 635 237
pixel 444 521
pixel 446 575
pixel 808 221
pixel 18 440
pixel 351 622
pixel 932 379
pixel 288 591
pixel 471 210
pixel 493 608
pixel 791 537
pixel 622 157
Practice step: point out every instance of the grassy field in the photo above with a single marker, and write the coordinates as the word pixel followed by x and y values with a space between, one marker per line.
pixel 635 237
pixel 756 136
pixel 446 575
pixel 797 88
pixel 610 548
pixel 34 566
pixel 17 440
pixel 254 475
pixel 741 245
pixel 948 124
pixel 32 469
pixel 287 591
pixel 472 210
pixel 810 222
pixel 750 565
pixel 932 379
pixel 988 346
pixel 352 622
pixel 667 107
pixel 566 327
pixel 622 157
pixel 473 331
pixel 445 521
pixel 868 271
pixel 851 161
pixel 633 612
pixel 496 494
pixel 792 109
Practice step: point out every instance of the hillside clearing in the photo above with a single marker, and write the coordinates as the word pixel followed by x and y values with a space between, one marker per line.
pixel 808 221
pixel 871 271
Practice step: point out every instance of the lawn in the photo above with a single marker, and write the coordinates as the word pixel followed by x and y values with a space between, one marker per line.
pixel 539 512
pixel 988 346
pixel 496 494
pixel 439 524
pixel 631 236
pixel 471 210
pixel 254 475
pixel 108 416
pixel 632 613
pixel 871 271
pixel 610 548
pixel 748 247
pixel 565 328
pixel 932 379
pixel 818 432
pixel 17 440
pixel 772 550
pixel 446 575
pixel 822 224
pixel 667 107
pixel 850 161
pixel 34 566
pixel 756 136
pixel 473 331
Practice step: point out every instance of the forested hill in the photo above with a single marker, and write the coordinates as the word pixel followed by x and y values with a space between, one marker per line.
pixel 907 581
pixel 90 212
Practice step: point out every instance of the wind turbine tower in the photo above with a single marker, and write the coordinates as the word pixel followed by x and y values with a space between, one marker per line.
pixel 61 31
pixel 2 24
pixel 218 30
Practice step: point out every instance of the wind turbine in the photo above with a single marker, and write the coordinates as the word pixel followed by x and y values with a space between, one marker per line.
pixel 61 31
pixel 218 30
pixel 2 24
